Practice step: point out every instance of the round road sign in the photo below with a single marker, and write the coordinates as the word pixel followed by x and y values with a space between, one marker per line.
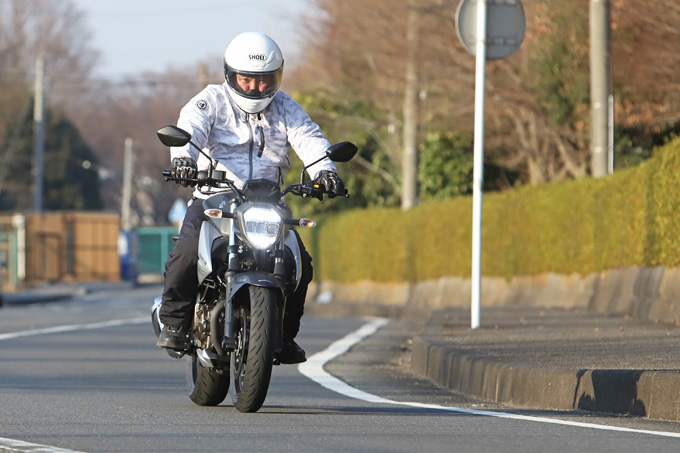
pixel 505 27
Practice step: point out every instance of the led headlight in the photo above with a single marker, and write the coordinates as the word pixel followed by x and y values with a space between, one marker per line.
pixel 262 226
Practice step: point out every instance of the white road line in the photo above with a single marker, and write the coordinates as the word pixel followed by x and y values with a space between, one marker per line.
pixel 75 327
pixel 25 447
pixel 313 369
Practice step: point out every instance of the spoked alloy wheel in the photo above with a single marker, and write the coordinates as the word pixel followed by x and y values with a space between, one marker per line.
pixel 252 360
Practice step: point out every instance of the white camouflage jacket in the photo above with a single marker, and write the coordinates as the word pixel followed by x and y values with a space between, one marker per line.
pixel 250 146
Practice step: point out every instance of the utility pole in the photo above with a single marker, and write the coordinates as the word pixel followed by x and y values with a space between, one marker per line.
pixel 38 134
pixel 202 76
pixel 410 135
pixel 600 87
pixel 125 217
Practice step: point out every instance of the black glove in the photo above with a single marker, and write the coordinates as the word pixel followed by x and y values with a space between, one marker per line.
pixel 184 167
pixel 331 183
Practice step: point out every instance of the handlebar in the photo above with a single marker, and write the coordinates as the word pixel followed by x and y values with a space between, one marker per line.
pixel 308 189
pixel 201 179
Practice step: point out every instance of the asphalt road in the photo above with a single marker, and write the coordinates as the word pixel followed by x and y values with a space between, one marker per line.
pixel 73 377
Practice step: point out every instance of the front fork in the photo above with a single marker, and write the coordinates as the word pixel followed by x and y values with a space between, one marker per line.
pixel 228 343
pixel 236 281
pixel 229 340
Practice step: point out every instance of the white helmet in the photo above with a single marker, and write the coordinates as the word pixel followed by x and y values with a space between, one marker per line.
pixel 255 58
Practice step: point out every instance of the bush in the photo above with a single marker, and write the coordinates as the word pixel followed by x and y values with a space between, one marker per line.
pixel 580 226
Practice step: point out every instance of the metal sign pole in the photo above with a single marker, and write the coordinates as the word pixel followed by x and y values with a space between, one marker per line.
pixel 478 172
pixel 489 31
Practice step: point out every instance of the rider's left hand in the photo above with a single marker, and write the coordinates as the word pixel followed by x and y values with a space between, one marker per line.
pixel 331 183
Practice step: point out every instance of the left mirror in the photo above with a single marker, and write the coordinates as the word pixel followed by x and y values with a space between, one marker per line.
pixel 342 152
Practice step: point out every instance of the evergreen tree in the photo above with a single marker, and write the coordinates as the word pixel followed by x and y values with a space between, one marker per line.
pixel 69 179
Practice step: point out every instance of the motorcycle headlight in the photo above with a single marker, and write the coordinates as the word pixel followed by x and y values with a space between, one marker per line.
pixel 262 226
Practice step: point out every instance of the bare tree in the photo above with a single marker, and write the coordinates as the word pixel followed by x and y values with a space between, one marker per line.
pixel 537 100
pixel 53 28
pixel 137 107
pixel 28 28
pixel 646 58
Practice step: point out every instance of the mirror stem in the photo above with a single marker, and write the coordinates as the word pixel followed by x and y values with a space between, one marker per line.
pixel 302 174
pixel 206 155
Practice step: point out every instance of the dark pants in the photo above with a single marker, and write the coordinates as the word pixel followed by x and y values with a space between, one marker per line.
pixel 181 279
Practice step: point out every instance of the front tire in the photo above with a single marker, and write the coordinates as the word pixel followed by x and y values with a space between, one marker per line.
pixel 251 362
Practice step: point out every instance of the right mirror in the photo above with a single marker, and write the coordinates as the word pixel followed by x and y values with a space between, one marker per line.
pixel 173 136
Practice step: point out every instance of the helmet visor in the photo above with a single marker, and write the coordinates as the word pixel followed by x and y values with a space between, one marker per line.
pixel 254 85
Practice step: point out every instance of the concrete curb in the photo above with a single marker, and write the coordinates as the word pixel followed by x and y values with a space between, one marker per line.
pixel 630 392
pixel 646 293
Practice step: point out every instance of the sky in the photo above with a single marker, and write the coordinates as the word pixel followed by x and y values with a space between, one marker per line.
pixel 134 36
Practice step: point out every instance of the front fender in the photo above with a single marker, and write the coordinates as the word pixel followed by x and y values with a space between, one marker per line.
pixel 256 278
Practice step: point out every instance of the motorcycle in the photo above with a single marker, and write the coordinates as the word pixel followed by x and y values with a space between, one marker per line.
pixel 249 263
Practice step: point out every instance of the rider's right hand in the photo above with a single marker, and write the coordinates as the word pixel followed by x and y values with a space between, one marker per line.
pixel 184 167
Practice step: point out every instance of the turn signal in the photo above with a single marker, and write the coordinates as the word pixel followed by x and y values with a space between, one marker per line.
pixel 214 213
pixel 307 223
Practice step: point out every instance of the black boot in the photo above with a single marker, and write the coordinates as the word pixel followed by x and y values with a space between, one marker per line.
pixel 173 337
pixel 291 353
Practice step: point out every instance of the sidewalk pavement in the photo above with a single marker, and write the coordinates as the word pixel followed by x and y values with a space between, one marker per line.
pixel 554 359
pixel 544 358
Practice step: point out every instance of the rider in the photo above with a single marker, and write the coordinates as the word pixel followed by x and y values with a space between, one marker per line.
pixel 247 125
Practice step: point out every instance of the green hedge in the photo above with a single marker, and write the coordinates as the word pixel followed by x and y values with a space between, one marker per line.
pixel 580 226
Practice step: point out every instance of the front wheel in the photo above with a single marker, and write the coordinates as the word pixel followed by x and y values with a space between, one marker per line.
pixel 252 360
